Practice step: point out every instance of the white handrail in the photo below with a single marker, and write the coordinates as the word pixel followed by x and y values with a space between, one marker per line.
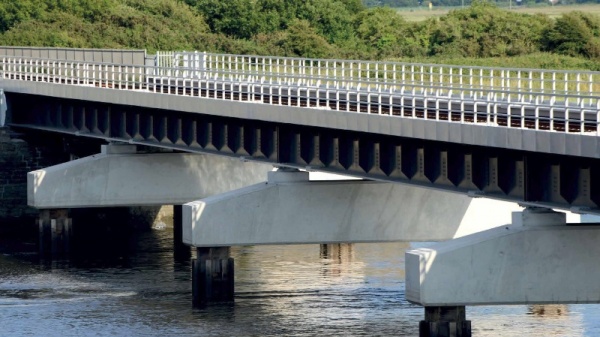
pixel 508 97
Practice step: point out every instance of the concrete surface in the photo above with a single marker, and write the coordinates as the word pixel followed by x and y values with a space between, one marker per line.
pixel 290 209
pixel 530 262
pixel 105 180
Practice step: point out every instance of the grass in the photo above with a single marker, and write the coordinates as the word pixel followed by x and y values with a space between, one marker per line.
pixel 416 14
pixel 531 61
pixel 558 10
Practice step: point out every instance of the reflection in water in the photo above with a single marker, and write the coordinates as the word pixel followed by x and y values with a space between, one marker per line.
pixel 335 257
pixel 549 310
pixel 339 252
pixel 304 290
pixel 519 321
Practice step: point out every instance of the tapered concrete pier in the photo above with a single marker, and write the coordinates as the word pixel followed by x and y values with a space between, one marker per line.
pixel 538 259
pixel 289 208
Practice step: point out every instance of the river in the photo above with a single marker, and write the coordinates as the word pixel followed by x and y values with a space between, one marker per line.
pixel 303 290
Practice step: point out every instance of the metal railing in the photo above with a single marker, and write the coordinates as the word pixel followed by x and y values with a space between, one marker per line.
pixel 525 81
pixel 569 103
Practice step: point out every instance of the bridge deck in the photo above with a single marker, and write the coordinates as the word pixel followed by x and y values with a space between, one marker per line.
pixel 478 98
pixel 532 142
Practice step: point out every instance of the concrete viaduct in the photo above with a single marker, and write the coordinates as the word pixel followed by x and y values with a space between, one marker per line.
pixel 437 153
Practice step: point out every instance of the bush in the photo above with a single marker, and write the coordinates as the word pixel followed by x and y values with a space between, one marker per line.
pixel 575 34
pixel 144 24
pixel 302 40
pixel 236 18
pixel 311 28
pixel 484 30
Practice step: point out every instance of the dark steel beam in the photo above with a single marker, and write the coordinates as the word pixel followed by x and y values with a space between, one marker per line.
pixel 526 177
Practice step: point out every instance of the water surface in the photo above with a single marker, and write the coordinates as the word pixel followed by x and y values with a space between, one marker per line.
pixel 305 290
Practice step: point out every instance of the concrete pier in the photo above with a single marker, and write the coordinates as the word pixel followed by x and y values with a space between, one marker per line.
pixel 212 276
pixel 120 176
pixel 55 232
pixel 538 259
pixel 445 322
pixel 289 208
pixel 181 251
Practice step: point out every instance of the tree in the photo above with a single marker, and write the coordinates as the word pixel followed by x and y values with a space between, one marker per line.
pixel 236 18
pixel 13 12
pixel 575 34
pixel 381 30
pixel 303 40
pixel 330 18
pixel 152 25
pixel 483 30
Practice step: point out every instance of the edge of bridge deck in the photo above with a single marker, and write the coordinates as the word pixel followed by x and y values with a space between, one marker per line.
pixel 573 144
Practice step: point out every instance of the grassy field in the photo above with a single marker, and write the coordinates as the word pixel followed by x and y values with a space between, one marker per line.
pixel 423 13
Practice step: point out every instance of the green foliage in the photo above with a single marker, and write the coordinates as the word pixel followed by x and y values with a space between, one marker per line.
pixel 149 24
pixel 88 9
pixel 391 3
pixel 303 40
pixel 354 6
pixel 332 19
pixel 484 30
pixel 380 29
pixel 236 18
pixel 575 34
pixel 246 18
pixel 13 12
pixel 311 28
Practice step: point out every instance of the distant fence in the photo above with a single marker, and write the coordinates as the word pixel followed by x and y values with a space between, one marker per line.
pixel 114 56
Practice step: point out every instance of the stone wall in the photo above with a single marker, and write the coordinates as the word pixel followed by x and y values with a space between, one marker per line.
pixel 22 152
pixel 19 154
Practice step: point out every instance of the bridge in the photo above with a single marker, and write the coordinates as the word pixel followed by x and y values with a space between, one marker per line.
pixel 520 135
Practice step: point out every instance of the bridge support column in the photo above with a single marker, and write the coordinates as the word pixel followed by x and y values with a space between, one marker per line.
pixel 212 276
pixel 181 251
pixel 55 231
pixel 539 259
pixel 445 322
